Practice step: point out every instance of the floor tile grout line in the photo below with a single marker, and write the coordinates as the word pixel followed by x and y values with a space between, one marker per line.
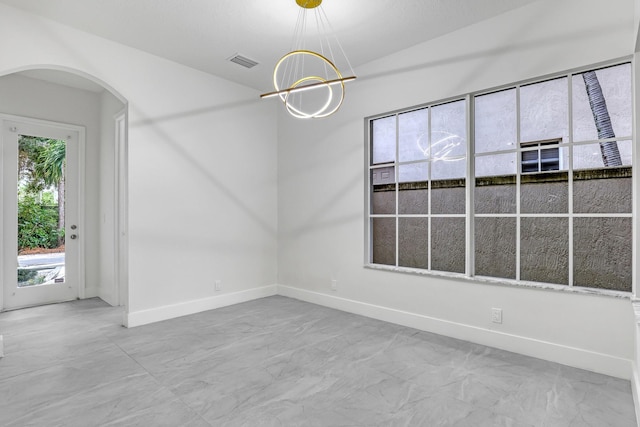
pixel 160 384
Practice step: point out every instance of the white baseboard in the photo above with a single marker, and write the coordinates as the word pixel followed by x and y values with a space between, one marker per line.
pixel 570 356
pixel 143 317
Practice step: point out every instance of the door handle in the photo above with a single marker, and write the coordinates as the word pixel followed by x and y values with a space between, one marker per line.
pixel 74 236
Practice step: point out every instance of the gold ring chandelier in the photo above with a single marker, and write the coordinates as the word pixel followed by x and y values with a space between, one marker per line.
pixel 308 81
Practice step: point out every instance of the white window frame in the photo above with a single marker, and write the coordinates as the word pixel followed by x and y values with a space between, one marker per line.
pixel 538 147
pixel 470 215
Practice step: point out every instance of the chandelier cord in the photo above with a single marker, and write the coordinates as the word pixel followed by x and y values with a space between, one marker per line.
pixel 335 37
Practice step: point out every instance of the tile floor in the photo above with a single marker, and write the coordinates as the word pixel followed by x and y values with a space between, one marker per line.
pixel 279 362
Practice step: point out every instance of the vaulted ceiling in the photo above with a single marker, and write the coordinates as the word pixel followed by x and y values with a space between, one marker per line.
pixel 203 34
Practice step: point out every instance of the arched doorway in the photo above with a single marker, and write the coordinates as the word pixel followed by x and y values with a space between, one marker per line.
pixel 59 97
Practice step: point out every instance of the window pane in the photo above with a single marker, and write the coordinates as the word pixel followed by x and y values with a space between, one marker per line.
pixel 495 194
pixel 495 121
pixel 383 239
pixel 495 190
pixel 450 168
pixel 602 190
pixel 615 89
pixel 383 196
pixel 448 244
pixel 413 199
pixel 497 165
pixel 544 192
pixel 448 196
pixel 544 250
pixel 413 135
pixel 544 111
pixel 413 242
pixel 414 172
pixel 495 247
pixel 591 156
pixel 448 130
pixel 383 144
pixel 602 253
pixel 413 193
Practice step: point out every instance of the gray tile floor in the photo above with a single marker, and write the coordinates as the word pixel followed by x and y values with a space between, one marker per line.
pixel 279 362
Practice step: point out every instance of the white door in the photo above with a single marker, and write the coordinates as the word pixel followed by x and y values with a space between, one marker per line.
pixel 41 241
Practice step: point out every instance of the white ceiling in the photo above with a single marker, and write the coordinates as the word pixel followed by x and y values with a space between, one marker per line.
pixel 203 34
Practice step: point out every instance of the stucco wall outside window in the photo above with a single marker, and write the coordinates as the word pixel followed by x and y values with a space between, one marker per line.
pixel 567 221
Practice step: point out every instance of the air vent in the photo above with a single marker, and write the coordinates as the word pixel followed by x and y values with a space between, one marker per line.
pixel 243 60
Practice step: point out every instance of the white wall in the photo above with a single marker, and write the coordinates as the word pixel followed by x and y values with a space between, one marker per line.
pixel 321 197
pixel 203 187
pixel 202 169
pixel 27 97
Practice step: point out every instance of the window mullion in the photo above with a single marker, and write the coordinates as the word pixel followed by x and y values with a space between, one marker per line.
pixel 570 183
pixel 518 188
pixel 470 189
pixel 429 170
pixel 397 189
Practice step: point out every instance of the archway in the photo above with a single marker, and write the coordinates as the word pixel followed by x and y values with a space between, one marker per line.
pixel 61 95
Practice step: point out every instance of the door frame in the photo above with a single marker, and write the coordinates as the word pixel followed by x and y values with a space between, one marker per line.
pixel 81 192
pixel 121 235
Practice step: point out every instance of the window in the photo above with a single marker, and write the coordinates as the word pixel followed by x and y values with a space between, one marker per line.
pixel 540 156
pixel 418 169
pixel 545 196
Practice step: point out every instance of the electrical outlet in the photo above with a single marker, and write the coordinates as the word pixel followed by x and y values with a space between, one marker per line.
pixel 334 285
pixel 496 315
pixel 218 285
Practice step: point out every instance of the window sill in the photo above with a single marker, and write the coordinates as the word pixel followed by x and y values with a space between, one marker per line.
pixel 504 282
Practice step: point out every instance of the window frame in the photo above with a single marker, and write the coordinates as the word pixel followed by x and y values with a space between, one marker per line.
pixel 538 147
pixel 470 214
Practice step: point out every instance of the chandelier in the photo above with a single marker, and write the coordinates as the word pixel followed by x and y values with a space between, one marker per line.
pixel 307 79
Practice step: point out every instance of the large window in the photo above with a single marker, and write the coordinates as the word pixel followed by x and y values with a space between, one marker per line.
pixel 534 186
pixel 418 169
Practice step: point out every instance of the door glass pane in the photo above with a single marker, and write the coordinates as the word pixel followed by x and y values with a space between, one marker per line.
pixel 41 179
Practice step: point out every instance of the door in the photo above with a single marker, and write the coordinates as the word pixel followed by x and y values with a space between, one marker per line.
pixel 40 221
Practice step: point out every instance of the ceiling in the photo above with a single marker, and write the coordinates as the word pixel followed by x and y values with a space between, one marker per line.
pixel 204 34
